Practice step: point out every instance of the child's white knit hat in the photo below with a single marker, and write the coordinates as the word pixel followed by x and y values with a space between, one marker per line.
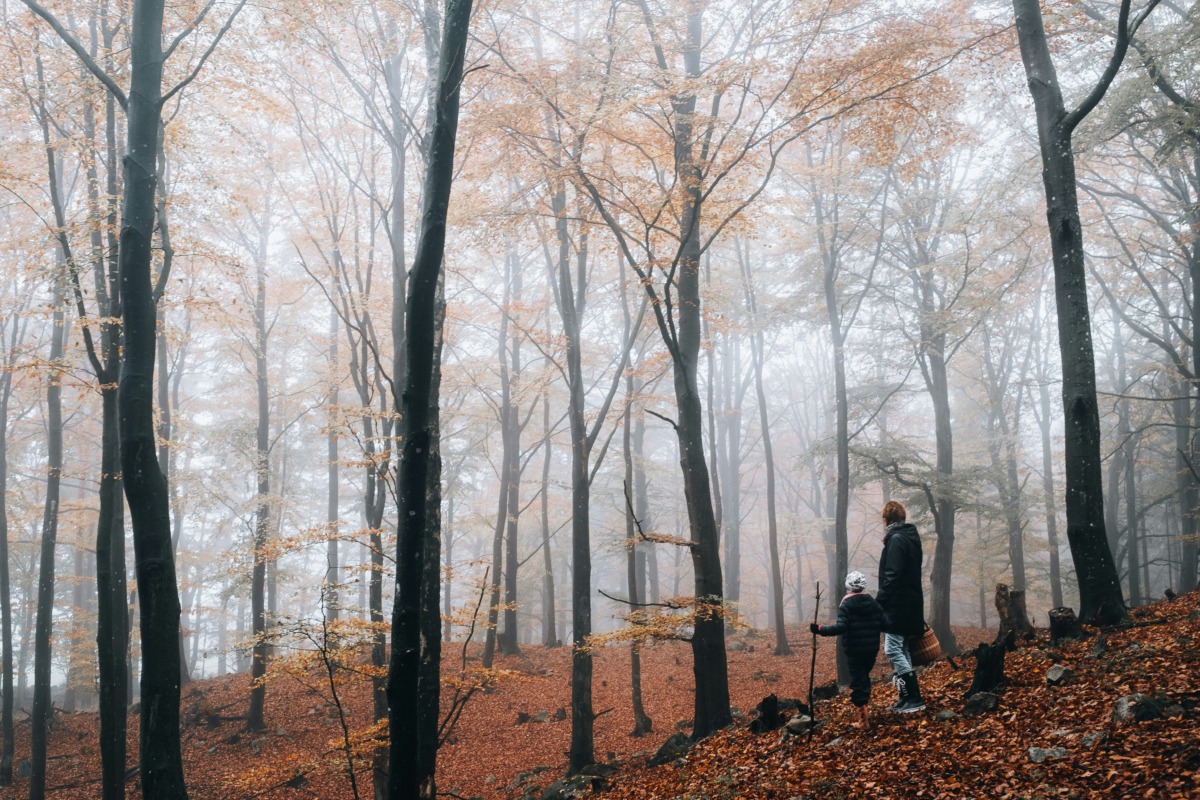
pixel 856 581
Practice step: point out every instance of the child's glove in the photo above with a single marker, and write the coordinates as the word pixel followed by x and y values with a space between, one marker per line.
pixel 814 627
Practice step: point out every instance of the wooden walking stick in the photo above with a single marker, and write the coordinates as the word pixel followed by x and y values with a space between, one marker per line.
pixel 812 669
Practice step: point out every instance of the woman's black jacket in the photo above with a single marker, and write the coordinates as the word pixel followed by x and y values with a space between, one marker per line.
pixel 900 592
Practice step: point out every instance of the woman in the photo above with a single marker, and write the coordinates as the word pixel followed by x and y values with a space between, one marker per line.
pixel 903 602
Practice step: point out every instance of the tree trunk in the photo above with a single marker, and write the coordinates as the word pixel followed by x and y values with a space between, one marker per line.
pixel 165 454
pixel 641 506
pixel 1131 511
pixel 582 717
pixel 841 505
pixel 1010 605
pixel 934 345
pixel 1056 592
pixel 448 571
pixel 375 499
pixel 6 633
pixel 1124 460
pixel 332 511
pixel 1100 594
pixel 222 640
pixel 759 356
pixel 1191 547
pixel 39 720
pixel 1064 626
pixel 549 617
pixel 411 754
pixel 75 656
pixel 729 452
pixel 145 488
pixel 708 638
pixel 429 673
pixel 112 626
pixel 262 517
pixel 641 721
pixel 512 452
pixel 487 659
pixel 1002 451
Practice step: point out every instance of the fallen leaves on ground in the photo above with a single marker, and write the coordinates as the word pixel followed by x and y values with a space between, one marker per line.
pixel 301 755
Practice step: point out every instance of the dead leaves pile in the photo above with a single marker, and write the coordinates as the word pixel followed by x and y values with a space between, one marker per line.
pixel 924 756
pixel 921 756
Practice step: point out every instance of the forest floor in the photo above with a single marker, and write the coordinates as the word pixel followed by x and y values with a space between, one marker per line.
pixel 939 753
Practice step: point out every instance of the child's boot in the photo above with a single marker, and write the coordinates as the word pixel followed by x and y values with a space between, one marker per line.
pixel 864 719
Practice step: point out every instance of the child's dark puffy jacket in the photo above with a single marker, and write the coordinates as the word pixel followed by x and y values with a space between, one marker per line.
pixel 859 623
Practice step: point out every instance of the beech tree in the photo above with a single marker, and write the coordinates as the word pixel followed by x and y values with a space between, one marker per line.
pixel 40 714
pixel 759 355
pixel 412 690
pixel 13 326
pixel 145 488
pixel 1100 595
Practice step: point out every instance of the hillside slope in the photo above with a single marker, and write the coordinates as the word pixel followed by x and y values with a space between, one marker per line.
pixel 494 754
pixel 1088 752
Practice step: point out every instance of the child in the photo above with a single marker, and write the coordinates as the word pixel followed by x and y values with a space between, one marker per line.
pixel 859 622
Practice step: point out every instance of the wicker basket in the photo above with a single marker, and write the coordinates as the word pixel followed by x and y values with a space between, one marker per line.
pixel 924 649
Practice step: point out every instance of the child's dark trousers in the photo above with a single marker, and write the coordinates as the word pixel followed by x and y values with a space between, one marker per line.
pixel 860 677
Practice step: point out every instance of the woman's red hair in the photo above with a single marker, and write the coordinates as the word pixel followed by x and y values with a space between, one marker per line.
pixel 894 512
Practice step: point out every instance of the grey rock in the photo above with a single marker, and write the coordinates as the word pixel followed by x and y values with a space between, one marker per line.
pixel 1137 707
pixel 945 715
pixel 1195 615
pixel 737 646
pixel 566 788
pixel 1093 739
pixel 1037 754
pixel 599 770
pixel 799 724
pixel 24 768
pixel 1123 708
pixel 1058 675
pixel 683 724
pixel 1148 708
pixel 522 718
pixel 541 716
pixel 676 746
pixel 838 742
pixel 560 714
pixel 520 780
pixel 980 703
pixel 1174 710
pixel 826 691
pixel 792 704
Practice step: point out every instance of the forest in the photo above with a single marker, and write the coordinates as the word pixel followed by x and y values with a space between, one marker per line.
pixel 575 345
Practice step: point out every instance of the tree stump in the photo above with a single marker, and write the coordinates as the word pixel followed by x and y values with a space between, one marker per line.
pixel 989 664
pixel 768 715
pixel 1063 625
pixel 1010 605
